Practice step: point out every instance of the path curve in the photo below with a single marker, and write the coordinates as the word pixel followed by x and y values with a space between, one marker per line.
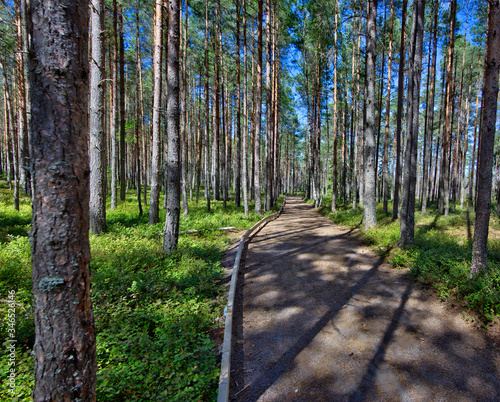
pixel 320 317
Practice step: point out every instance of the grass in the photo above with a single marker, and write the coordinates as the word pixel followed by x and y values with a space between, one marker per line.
pixel 154 313
pixel 441 256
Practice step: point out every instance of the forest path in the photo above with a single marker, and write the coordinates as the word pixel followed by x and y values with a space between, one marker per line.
pixel 319 316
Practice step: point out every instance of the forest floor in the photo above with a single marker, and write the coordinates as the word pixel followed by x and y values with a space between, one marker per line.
pixel 319 316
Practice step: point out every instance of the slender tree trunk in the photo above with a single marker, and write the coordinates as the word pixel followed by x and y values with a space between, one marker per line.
pixel 60 228
pixel 269 111
pixel 22 119
pixel 114 110
pixel 430 118
pixel 173 190
pixel 154 197
pixel 138 115
pixel 123 186
pixel 184 118
pixel 407 233
pixel 399 114
pixel 207 116
pixel 444 183
pixel 335 112
pixel 472 184
pixel 258 112
pixel 97 136
pixel 385 158
pixel 489 103
pixel 369 212
pixel 245 114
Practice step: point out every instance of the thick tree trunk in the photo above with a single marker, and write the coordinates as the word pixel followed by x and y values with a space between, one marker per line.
pixel 97 136
pixel 487 135
pixel 407 233
pixel 65 354
pixel 369 212
pixel 173 190
pixel 399 114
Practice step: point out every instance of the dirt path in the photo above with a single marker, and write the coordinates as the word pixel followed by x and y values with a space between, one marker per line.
pixel 320 317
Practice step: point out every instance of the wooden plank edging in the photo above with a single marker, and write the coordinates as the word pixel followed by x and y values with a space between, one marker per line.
pixel 223 394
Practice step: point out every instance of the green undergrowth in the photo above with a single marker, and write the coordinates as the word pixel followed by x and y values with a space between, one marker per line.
pixel 154 313
pixel 441 256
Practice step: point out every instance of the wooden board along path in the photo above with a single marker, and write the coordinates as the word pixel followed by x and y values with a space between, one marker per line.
pixel 320 317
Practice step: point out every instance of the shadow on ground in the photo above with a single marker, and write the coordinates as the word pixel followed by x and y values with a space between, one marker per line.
pixel 320 317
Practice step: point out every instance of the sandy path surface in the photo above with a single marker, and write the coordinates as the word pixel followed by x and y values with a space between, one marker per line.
pixel 320 317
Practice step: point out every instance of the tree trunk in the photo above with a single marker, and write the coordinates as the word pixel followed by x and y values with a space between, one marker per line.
pixel 245 115
pixel 487 135
pixel 369 212
pixel 444 183
pixel 385 158
pixel 122 103
pixel 154 197
pixel 399 114
pixel 96 130
pixel 407 233
pixel 65 354
pixel 173 190
pixel 184 119
pixel 114 110
pixel 258 112
pixel 430 108
pixel 207 116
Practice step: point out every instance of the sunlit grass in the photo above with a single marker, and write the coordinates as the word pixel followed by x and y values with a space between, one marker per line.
pixel 154 312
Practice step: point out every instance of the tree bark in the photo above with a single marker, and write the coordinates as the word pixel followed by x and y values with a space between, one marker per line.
pixel 258 112
pixel 399 114
pixel 97 136
pixel 245 115
pixel 487 135
pixel 123 186
pixel 369 212
pixel 407 232
pixel 65 354
pixel 114 110
pixel 444 182
pixel 430 117
pixel 207 116
pixel 385 158
pixel 173 190
pixel 154 197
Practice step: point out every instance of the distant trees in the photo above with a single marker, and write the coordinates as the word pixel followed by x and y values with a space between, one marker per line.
pixel 65 354
pixel 487 136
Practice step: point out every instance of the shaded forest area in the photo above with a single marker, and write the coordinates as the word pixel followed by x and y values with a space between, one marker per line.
pixel 201 114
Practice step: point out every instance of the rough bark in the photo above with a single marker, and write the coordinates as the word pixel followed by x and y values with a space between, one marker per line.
pixel 96 130
pixel 207 117
pixel 369 212
pixel 173 190
pixel 65 354
pixel 407 231
pixel 487 135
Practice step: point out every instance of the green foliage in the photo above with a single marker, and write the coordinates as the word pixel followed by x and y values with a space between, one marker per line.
pixel 441 256
pixel 154 313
